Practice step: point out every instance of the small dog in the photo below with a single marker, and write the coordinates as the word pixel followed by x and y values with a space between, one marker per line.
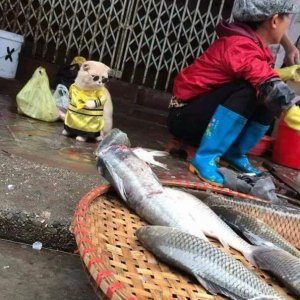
pixel 90 111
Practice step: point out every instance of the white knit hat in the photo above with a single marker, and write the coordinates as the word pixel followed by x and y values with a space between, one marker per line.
pixel 261 10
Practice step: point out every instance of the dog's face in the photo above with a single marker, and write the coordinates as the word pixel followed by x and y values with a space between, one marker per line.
pixel 92 75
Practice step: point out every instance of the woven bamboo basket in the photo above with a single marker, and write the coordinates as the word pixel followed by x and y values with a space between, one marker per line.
pixel 119 267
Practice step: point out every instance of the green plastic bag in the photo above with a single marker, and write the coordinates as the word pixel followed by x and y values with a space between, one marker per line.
pixel 35 100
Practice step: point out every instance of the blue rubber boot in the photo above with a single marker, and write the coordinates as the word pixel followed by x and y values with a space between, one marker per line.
pixel 249 137
pixel 223 129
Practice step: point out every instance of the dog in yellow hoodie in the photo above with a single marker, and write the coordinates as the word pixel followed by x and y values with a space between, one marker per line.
pixel 90 111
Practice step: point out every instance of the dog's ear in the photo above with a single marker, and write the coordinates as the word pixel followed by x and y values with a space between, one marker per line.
pixel 106 68
pixel 85 66
pixel 110 72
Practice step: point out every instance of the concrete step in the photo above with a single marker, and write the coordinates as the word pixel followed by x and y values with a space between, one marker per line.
pixel 44 174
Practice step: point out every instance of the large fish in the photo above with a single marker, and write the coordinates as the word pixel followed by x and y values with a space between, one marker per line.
pixel 256 231
pixel 281 264
pixel 216 271
pixel 140 189
pixel 284 219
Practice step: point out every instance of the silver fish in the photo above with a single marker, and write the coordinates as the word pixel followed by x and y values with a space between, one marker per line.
pixel 216 271
pixel 140 189
pixel 256 231
pixel 281 264
pixel 284 219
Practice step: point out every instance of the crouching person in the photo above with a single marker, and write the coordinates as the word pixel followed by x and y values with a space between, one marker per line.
pixel 227 99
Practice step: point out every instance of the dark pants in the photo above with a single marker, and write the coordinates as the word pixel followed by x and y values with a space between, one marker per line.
pixel 190 122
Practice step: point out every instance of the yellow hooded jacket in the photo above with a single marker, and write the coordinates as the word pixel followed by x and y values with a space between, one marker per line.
pixel 80 118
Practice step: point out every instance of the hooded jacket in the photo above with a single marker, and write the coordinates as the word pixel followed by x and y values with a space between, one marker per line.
pixel 238 54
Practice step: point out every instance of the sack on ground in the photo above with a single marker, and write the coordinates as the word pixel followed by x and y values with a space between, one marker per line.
pixel 35 100
pixel 61 97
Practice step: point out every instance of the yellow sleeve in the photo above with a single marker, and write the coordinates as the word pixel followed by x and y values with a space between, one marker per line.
pixel 71 93
pixel 76 97
pixel 101 96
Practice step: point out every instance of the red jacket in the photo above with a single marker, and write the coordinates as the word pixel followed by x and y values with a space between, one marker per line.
pixel 238 54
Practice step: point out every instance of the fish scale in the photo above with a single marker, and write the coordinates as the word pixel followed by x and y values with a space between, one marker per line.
pixel 281 264
pixel 253 229
pixel 284 219
pixel 216 271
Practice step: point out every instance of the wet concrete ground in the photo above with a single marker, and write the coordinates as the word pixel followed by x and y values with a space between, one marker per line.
pixel 27 274
pixel 43 175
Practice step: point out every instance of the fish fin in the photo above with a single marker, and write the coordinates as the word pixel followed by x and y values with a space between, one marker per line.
pixel 203 237
pixel 257 240
pixel 224 243
pixel 148 156
pixel 118 182
pixel 213 288
pixel 250 236
pixel 161 165
pixel 209 286
pixel 159 153
pixel 100 167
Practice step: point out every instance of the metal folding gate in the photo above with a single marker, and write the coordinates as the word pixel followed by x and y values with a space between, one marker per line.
pixel 145 42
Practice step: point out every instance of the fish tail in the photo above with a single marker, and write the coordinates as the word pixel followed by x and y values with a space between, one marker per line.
pixel 159 164
pixel 159 153
pixel 249 254
pixel 256 254
pixel 259 254
pixel 224 243
pixel 148 156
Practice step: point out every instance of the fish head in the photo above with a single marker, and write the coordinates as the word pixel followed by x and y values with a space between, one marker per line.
pixel 114 137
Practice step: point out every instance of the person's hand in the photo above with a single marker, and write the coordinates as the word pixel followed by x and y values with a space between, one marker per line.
pixel 292 56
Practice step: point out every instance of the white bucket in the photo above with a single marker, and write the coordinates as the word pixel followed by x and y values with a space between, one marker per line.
pixel 10 47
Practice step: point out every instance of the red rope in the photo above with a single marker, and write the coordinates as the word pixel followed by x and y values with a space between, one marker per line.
pixel 92 261
pixel 112 288
pixel 204 186
pixel 101 275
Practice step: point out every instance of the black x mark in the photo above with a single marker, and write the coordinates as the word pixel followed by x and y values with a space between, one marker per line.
pixel 9 53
